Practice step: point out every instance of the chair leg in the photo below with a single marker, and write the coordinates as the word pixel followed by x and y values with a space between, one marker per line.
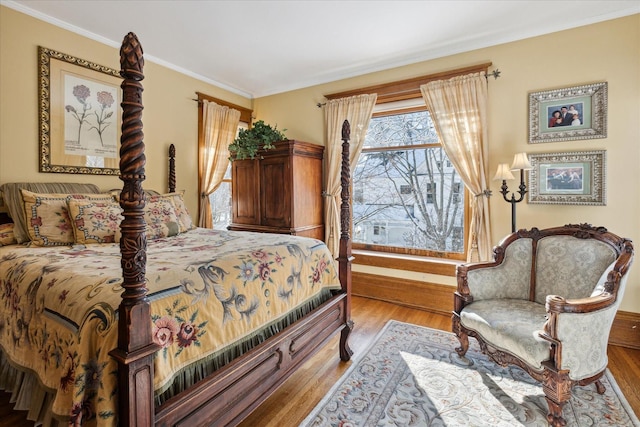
pixel 600 388
pixel 557 390
pixel 462 337
pixel 554 417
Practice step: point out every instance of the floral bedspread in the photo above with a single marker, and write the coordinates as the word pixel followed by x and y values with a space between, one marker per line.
pixel 206 288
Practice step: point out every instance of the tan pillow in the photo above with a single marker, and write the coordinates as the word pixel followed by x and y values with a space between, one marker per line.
pixel 47 216
pixel 95 222
pixel 161 219
pixel 12 195
pixel 6 235
pixel 184 219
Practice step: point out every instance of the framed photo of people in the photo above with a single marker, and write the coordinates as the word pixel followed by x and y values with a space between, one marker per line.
pixel 573 178
pixel 572 113
pixel 79 115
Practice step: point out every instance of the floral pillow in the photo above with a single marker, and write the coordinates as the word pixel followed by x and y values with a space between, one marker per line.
pixel 95 222
pixel 184 219
pixel 6 235
pixel 160 216
pixel 47 216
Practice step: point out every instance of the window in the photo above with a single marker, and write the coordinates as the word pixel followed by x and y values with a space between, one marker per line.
pixel 437 229
pixel 408 198
pixel 457 187
pixel 221 203
pixel 221 198
pixel 431 192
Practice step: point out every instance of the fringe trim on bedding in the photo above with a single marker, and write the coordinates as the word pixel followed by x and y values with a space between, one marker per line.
pixel 27 394
pixel 204 367
pixel 30 395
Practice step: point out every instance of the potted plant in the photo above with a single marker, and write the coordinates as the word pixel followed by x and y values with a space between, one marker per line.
pixel 250 141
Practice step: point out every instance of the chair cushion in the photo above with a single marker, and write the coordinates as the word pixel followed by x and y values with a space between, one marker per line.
pixel 511 325
pixel 570 267
pixel 510 279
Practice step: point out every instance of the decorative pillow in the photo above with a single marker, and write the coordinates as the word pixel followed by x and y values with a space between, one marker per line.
pixel 95 222
pixel 184 219
pixel 12 195
pixel 47 216
pixel 6 235
pixel 161 219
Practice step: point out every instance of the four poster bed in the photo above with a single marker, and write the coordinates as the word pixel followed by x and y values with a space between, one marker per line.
pixel 86 345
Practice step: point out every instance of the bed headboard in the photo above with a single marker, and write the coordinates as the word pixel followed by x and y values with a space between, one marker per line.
pixel 172 168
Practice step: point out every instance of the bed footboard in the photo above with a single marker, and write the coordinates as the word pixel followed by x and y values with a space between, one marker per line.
pixel 232 392
pixel 241 386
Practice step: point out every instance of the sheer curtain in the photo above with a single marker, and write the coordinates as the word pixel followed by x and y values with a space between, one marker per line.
pixel 220 125
pixel 356 109
pixel 458 108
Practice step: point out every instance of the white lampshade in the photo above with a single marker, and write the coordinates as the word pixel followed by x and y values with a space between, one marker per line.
pixel 503 173
pixel 521 161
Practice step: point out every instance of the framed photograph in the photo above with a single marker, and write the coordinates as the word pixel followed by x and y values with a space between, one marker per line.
pixel 578 112
pixel 79 115
pixel 576 178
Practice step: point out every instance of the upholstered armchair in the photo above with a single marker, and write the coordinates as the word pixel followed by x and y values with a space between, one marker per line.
pixel 546 304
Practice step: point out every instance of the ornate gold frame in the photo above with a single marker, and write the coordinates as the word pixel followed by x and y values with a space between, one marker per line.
pixel 57 154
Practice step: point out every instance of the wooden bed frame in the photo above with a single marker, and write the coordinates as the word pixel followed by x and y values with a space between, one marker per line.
pixel 229 395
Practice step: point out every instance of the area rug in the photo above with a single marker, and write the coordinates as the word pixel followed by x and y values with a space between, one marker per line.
pixel 411 376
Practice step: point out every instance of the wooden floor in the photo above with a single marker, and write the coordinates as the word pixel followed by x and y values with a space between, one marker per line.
pixel 299 395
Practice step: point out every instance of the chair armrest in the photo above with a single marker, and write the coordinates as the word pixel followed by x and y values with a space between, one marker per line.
pixel 578 331
pixel 556 304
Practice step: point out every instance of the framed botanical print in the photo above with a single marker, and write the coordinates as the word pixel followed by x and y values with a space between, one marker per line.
pixel 79 115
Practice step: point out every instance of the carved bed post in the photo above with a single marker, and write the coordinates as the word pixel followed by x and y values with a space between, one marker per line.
pixel 172 168
pixel 135 342
pixel 344 257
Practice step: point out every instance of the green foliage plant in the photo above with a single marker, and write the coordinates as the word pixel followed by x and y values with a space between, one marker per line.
pixel 250 141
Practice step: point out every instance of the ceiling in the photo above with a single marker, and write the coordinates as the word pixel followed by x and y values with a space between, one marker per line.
pixel 259 48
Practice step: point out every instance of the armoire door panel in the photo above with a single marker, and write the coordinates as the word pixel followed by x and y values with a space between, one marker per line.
pixel 274 173
pixel 245 192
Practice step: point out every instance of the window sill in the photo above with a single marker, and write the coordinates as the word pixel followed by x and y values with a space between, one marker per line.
pixel 419 264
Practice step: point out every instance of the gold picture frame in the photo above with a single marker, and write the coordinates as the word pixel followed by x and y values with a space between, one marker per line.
pixel 79 115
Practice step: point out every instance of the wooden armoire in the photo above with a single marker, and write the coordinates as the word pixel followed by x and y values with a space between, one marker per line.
pixel 280 191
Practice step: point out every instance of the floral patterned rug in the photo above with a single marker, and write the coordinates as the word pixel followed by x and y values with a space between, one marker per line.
pixel 412 376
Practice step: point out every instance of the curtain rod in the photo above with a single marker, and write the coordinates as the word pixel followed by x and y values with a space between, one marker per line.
pixel 495 74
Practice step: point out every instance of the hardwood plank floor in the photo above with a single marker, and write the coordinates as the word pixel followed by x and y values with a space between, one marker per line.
pixel 291 403
pixel 300 394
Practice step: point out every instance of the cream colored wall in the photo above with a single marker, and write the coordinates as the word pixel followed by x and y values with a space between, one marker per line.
pixel 608 51
pixel 169 117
